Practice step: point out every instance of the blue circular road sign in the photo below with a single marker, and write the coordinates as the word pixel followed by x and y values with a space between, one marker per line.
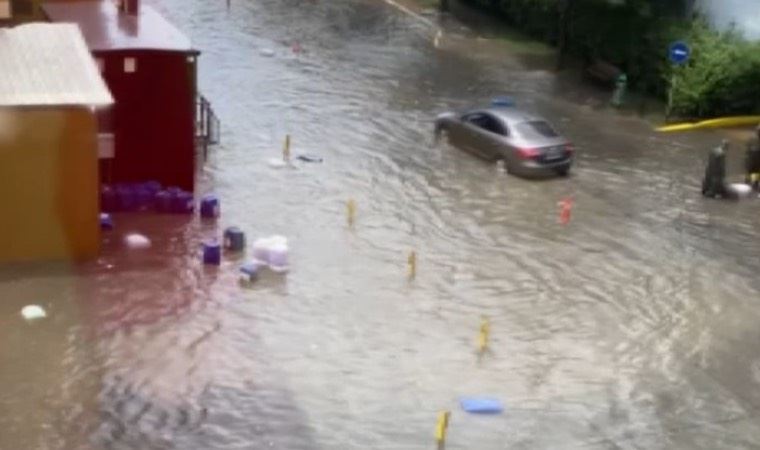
pixel 679 53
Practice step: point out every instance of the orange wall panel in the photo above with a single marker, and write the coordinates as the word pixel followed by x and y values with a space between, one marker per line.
pixel 49 185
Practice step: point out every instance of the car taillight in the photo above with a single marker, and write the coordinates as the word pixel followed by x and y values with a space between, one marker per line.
pixel 527 153
pixel 569 148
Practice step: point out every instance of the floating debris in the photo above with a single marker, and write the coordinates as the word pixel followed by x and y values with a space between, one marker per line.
pixel 481 405
pixel 250 271
pixel 309 158
pixel 210 207
pixel 33 312
pixel 137 241
pixel 106 221
pixel 273 252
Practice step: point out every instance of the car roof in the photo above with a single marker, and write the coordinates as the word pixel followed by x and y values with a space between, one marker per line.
pixel 511 115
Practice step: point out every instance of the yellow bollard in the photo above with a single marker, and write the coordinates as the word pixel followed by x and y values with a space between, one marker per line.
pixel 351 211
pixel 412 261
pixel 286 149
pixel 442 427
pixel 485 330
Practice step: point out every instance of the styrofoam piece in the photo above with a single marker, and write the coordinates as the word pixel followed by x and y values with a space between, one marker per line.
pixel 261 251
pixel 272 251
pixel 33 312
pixel 268 52
pixel 277 163
pixel 741 190
pixel 278 258
pixel 137 241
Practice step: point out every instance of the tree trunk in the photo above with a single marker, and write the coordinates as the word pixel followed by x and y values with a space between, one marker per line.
pixel 445 7
pixel 563 28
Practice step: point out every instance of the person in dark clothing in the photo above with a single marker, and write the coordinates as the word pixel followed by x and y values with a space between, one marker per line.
pixel 714 184
pixel 752 161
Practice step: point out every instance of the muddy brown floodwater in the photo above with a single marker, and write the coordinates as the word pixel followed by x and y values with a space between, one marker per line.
pixel 634 326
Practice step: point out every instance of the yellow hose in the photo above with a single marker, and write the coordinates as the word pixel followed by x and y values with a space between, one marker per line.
pixel 722 122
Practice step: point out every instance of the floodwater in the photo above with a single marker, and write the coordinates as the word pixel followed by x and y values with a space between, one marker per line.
pixel 633 326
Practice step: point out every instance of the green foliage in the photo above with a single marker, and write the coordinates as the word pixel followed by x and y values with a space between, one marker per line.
pixel 722 76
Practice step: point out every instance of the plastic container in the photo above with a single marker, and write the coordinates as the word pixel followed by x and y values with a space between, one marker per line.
pixel 106 221
pixel 212 253
pixel 143 197
pixel 209 207
pixel 481 405
pixel 183 203
pixel 153 186
pixel 109 201
pixel 126 198
pixel 163 201
pixel 249 271
pixel 234 239
pixel 261 251
pixel 278 257
pixel 272 251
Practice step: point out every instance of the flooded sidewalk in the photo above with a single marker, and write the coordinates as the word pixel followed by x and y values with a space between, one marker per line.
pixel 633 326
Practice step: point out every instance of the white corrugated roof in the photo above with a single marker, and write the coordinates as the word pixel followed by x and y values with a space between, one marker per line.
pixel 48 64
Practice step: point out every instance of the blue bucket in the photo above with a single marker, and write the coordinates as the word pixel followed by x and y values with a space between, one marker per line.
pixel 106 222
pixel 212 253
pixel 234 239
pixel 210 207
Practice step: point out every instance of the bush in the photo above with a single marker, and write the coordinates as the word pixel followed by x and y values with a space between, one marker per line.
pixel 722 77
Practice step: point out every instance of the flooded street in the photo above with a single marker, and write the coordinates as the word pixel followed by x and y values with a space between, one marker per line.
pixel 635 326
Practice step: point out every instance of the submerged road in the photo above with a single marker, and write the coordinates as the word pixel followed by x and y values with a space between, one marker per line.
pixel 634 326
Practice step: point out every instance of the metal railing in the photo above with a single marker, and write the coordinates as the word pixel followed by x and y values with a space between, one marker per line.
pixel 207 125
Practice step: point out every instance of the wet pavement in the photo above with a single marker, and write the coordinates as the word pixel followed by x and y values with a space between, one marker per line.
pixel 634 326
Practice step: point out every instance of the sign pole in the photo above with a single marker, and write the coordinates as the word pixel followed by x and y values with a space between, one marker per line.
pixel 678 53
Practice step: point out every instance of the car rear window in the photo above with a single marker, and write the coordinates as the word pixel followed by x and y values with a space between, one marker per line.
pixel 535 129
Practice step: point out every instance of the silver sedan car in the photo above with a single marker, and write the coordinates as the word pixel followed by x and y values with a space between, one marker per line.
pixel 527 144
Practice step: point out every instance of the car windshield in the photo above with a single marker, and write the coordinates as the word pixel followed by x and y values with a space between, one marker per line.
pixel 535 129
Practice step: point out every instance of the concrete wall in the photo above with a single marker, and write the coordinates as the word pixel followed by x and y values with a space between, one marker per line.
pixel 48 184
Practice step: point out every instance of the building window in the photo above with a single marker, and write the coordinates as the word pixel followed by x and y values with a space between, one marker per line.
pixel 5 9
pixel 130 65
